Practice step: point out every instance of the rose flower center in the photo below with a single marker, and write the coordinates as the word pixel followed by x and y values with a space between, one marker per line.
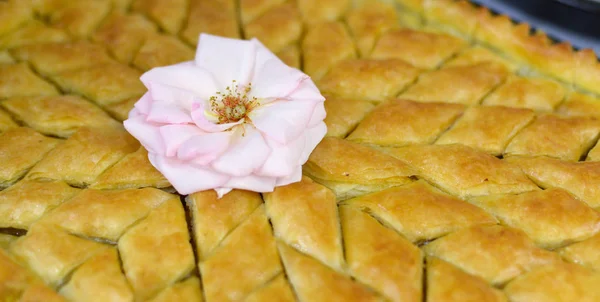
pixel 234 104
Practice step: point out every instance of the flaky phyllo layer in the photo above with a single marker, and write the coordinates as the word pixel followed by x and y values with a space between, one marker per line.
pixel 461 162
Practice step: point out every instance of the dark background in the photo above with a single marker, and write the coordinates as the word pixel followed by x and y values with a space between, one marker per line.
pixel 580 26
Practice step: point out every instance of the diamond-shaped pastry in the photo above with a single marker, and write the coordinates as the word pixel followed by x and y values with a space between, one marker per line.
pixel 487 128
pixel 276 28
pixel 421 212
pixel 594 154
pixel 59 115
pixel 565 138
pixel 579 104
pixel 27 201
pixel 104 84
pixel 33 32
pixel 394 271
pixel 464 171
pixel 84 156
pixel 216 17
pixel 52 58
pixel 168 15
pixel 120 111
pixel 291 56
pixel 20 149
pixel 400 122
pixel 6 122
pixel 494 253
pixel 420 49
pixel 584 253
pixel 581 179
pixel 554 283
pixel 532 93
pixel 323 46
pixel 309 277
pixel 350 169
pixel 162 50
pixel 368 22
pixel 552 217
pixel 279 289
pixel 446 282
pixel 13 14
pixel 344 114
pixel 80 18
pixel 18 80
pixel 319 237
pixel 479 54
pixel 187 290
pixel 457 84
pixel 316 11
pixel 368 79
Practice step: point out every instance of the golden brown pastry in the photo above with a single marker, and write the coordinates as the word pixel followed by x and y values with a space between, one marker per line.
pixel 350 169
pixel 455 17
pixel 581 179
pixel 316 11
pixel 464 171
pixel 123 34
pixel 313 226
pixel 6 122
pixel 53 58
pixel 400 122
pixel 161 50
pixel 560 137
pixel 369 21
pixel 79 18
pixel 216 17
pixel 291 56
pixel 314 281
pixel 552 217
pixel 344 114
pixel 395 271
pixel 17 80
pixel 487 128
pixel 104 84
pixel 187 290
pixel 554 283
pixel 85 155
pixel 258 264
pixel 594 154
pixel 13 14
pixel 421 212
pixel 533 93
pixel 58 115
pixel 120 111
pixel 324 45
pixel 494 253
pixel 479 54
pixel 277 290
pixel 27 201
pixel 457 84
pixel 33 32
pixel 420 49
pixel 579 104
pixel 448 283
pixel 251 9
pixel 276 28
pixel 373 80
pixel 20 149
pixel 584 253
pixel 168 15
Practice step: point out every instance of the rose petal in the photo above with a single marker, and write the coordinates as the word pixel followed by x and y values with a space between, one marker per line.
pixel 186 76
pixel 227 59
pixel 145 132
pixel 318 115
pixel 205 148
pixel 178 97
pixel 168 113
pixel 274 79
pixel 282 121
pixel 307 90
pixel 199 118
pixel 263 54
pixel 293 177
pixel 185 178
pixel 313 137
pixel 246 153
pixel 222 191
pixel 252 182
pixel 144 103
pixel 284 157
pixel 175 135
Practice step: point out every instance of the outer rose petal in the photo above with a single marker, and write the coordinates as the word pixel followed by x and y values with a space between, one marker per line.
pixel 284 157
pixel 186 178
pixel 175 135
pixel 318 115
pixel 145 132
pixel 186 76
pixel 178 97
pixel 307 90
pixel 246 153
pixel 283 120
pixel 295 176
pixel 274 79
pixel 168 113
pixel 205 148
pixel 263 54
pixel 252 182
pixel 222 191
pixel 228 59
pixel 313 136
pixel 143 104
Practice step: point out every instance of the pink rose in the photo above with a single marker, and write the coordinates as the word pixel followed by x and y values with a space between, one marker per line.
pixel 236 117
